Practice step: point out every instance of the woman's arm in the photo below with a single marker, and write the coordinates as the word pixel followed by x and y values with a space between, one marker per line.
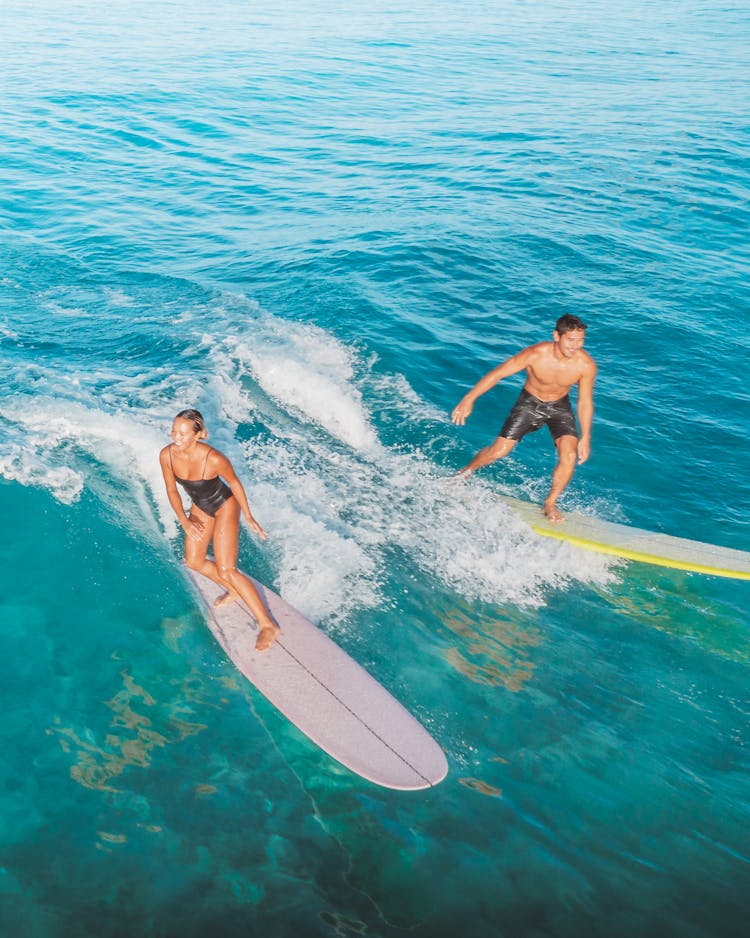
pixel 223 467
pixel 192 527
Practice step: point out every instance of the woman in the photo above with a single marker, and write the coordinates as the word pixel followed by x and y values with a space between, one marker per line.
pixel 214 514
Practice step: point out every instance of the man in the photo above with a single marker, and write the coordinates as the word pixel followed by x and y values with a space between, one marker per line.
pixel 552 368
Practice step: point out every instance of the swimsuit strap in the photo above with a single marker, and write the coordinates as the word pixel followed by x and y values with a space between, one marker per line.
pixel 203 470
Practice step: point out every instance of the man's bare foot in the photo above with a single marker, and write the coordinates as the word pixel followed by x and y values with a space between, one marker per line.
pixel 550 510
pixel 267 637
pixel 225 599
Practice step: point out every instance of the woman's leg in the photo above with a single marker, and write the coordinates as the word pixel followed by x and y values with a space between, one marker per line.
pixel 226 535
pixel 196 551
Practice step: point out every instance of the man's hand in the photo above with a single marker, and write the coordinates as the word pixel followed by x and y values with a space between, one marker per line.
pixel 584 450
pixel 462 411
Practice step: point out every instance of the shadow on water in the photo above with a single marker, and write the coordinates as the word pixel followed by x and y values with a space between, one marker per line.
pixel 705 610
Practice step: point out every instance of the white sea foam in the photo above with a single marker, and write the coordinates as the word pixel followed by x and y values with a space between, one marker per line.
pixel 62 445
pixel 70 312
pixel 338 504
pixel 354 513
pixel 118 297
pixel 309 372
pixel 21 465
pixel 403 399
pixel 323 570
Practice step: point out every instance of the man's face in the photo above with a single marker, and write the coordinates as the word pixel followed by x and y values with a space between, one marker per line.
pixel 570 342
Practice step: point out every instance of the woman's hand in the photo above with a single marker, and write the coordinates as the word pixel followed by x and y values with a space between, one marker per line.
pixel 254 526
pixel 193 529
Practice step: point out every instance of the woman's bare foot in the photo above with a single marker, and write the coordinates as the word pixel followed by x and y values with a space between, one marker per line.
pixel 550 510
pixel 267 637
pixel 225 599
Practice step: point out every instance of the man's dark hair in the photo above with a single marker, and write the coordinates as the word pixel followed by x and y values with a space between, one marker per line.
pixel 568 323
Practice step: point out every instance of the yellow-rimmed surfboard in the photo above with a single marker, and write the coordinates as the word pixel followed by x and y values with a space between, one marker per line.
pixel 620 540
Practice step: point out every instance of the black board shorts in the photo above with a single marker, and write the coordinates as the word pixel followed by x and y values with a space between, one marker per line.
pixel 529 413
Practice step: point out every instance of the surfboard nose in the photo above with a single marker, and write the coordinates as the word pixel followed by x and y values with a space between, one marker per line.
pixel 325 693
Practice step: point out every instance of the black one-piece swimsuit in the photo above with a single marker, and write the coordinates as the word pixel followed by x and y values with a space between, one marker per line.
pixel 207 494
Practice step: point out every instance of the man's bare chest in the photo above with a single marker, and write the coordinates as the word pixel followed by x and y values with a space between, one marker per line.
pixel 553 373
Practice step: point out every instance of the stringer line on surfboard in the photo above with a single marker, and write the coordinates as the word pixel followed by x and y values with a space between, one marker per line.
pixel 347 707
pixel 325 693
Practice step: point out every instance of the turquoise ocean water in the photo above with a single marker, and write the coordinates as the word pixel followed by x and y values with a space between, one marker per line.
pixel 321 225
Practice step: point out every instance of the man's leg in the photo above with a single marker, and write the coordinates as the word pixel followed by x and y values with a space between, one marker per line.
pixel 501 447
pixel 566 464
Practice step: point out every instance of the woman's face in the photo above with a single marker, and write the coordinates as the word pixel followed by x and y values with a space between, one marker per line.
pixel 183 432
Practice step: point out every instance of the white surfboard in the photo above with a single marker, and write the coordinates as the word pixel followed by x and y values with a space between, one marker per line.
pixel 609 537
pixel 325 693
